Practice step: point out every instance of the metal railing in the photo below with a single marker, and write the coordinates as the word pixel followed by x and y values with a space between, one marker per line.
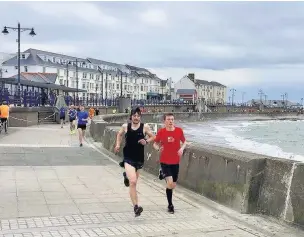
pixel 28 98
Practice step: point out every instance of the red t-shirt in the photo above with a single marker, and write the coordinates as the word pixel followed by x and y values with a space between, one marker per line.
pixel 170 141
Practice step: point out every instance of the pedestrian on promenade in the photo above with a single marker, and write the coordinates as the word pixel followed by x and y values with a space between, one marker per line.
pixel 62 116
pixel 168 142
pixel 91 112
pixel 83 118
pixel 72 118
pixel 4 115
pixel 133 152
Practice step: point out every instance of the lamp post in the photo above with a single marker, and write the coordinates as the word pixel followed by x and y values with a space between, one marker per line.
pixel 101 72
pixel 243 94
pixel 1 72
pixel 121 83
pixel 261 93
pixel 232 96
pixel 77 79
pixel 19 30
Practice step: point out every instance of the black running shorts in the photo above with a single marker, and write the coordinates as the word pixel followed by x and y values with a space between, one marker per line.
pixel 82 126
pixel 170 170
pixel 71 120
pixel 135 164
pixel 3 120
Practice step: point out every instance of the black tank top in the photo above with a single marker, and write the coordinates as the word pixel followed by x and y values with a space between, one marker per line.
pixel 133 150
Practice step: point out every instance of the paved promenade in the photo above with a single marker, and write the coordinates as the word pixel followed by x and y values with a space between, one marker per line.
pixel 51 187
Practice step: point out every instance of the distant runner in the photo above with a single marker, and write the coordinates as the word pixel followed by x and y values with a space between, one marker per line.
pixel 168 141
pixel 135 133
pixel 72 118
pixel 83 118
pixel 4 115
pixel 62 116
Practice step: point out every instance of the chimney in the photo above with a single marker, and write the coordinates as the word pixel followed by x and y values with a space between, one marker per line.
pixel 191 76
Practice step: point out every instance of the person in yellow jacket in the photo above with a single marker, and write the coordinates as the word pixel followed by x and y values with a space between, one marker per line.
pixel 4 114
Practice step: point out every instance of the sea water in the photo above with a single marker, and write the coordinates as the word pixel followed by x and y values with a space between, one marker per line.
pixel 277 138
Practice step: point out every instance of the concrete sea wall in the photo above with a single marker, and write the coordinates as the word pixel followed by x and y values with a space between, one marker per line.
pixel 243 181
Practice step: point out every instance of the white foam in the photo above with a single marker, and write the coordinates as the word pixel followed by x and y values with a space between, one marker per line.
pixel 243 144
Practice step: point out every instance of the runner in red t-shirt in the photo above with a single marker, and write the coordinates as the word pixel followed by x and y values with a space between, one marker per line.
pixel 168 141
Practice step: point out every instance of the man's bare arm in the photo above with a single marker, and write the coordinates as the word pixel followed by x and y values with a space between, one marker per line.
pixel 148 131
pixel 119 136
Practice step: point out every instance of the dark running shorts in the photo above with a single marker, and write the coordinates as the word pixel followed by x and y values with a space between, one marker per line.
pixel 170 170
pixel 135 164
pixel 3 120
pixel 71 120
pixel 82 126
pixel 62 117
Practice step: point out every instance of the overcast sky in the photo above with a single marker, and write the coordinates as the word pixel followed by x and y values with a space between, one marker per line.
pixel 244 45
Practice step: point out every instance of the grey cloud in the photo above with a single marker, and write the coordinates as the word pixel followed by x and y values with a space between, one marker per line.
pixel 261 33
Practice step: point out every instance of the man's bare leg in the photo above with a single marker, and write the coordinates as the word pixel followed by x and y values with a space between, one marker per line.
pixel 133 177
pixel 80 135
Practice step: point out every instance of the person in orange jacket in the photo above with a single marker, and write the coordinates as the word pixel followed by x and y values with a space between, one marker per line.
pixel 91 112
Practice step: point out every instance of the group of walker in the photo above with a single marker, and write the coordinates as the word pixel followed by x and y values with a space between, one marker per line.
pixel 169 141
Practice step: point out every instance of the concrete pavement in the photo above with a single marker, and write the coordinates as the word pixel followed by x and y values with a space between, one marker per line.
pixel 51 187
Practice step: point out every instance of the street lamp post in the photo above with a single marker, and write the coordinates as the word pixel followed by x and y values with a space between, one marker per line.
pixel 19 30
pixel 101 72
pixel 121 84
pixel 77 79
pixel 233 90
pixel 261 93
pixel 243 94
pixel 1 72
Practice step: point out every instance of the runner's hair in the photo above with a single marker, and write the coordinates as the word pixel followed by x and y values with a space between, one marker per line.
pixel 168 115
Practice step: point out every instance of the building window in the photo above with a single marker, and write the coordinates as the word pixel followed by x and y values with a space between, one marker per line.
pixel 25 68
pixel 84 75
pixel 141 88
pixel 91 76
pixel 23 56
pixel 117 86
pixel 61 82
pixel 83 85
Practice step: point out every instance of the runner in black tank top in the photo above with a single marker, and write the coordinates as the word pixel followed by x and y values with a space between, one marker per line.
pixel 133 152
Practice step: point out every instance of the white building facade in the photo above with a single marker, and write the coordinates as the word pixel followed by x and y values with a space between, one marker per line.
pixel 210 91
pixel 99 78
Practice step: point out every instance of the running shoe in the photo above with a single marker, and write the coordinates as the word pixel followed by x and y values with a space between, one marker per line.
pixel 138 210
pixel 126 180
pixel 160 174
pixel 171 209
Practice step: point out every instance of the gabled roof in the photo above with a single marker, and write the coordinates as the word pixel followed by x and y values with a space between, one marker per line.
pixel 205 82
pixel 37 77
pixel 98 62
pixel 186 91
pixel 34 59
